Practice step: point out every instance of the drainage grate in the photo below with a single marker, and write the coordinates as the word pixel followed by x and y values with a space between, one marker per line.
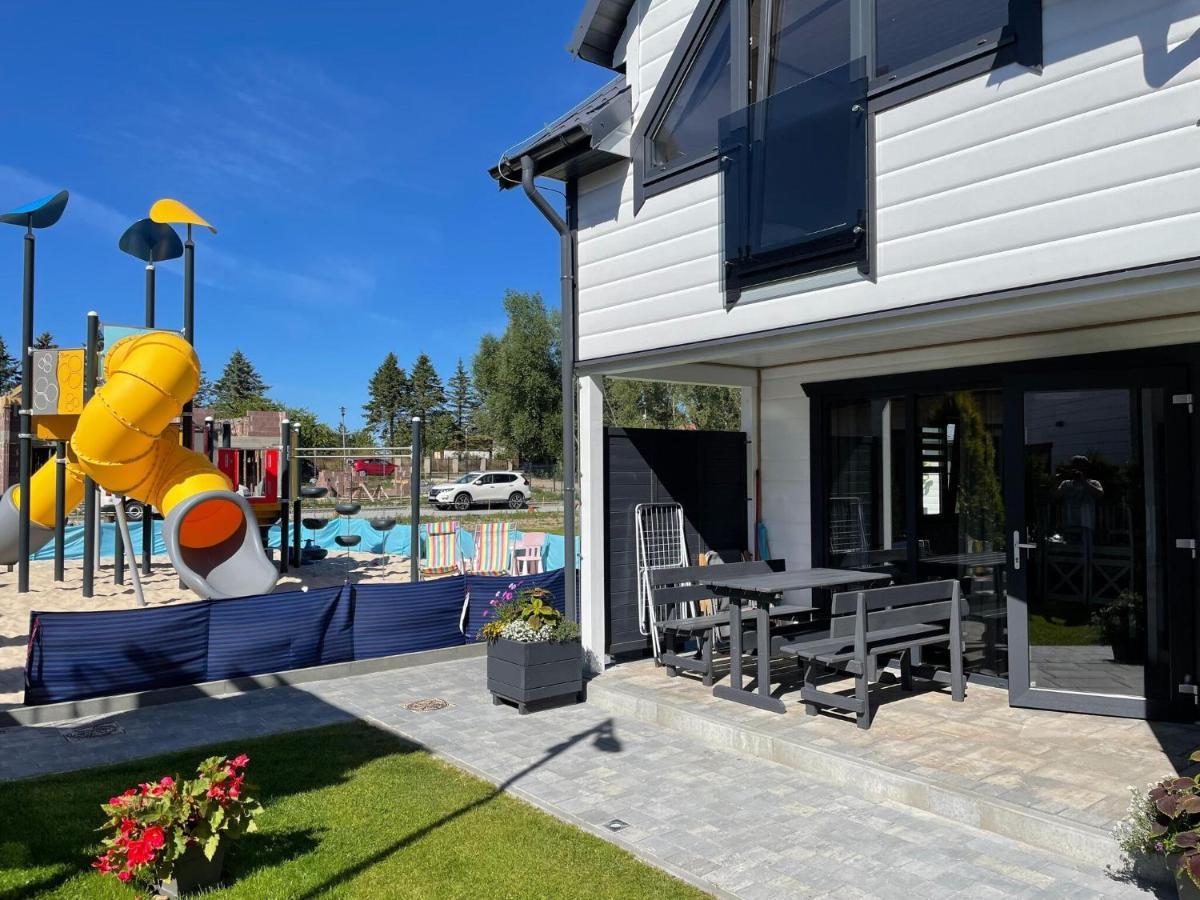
pixel 616 825
pixel 431 704
pixel 96 730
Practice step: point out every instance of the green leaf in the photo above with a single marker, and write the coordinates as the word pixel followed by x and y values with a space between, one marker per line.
pixel 210 846
pixel 217 818
pixel 251 825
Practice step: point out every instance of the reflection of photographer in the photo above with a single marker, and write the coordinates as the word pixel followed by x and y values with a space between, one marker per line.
pixel 1080 496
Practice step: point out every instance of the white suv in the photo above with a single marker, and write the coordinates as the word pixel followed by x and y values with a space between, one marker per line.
pixel 510 488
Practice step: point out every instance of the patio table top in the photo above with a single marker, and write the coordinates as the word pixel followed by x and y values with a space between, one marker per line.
pixel 775 583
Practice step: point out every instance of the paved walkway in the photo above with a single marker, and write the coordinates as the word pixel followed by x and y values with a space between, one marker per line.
pixel 735 825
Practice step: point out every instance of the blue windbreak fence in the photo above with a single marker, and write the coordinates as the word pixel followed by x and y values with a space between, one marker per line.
pixel 75 655
pixel 395 541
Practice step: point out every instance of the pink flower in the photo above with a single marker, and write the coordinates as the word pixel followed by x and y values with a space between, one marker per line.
pixel 240 760
pixel 508 595
pixel 487 614
pixel 166 782
pixel 154 837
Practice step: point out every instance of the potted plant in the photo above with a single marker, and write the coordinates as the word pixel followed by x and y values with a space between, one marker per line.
pixel 1161 834
pixel 534 652
pixel 1120 625
pixel 174 835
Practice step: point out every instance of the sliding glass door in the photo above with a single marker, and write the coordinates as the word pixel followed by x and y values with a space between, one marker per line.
pixel 1058 494
pixel 1099 489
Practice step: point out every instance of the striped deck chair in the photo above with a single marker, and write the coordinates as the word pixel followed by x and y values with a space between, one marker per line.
pixel 441 549
pixel 491 549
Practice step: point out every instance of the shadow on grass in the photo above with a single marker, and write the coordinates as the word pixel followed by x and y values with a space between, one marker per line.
pixel 603 738
pixel 50 822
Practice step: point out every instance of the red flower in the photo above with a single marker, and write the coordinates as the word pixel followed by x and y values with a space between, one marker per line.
pixel 153 837
pixel 127 826
pixel 129 793
pixel 240 760
pixel 102 865
pixel 215 791
pixel 124 876
pixel 235 787
pixel 139 853
pixel 116 801
pixel 167 782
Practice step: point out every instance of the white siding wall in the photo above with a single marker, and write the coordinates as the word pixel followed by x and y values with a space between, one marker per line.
pixel 784 471
pixel 1009 179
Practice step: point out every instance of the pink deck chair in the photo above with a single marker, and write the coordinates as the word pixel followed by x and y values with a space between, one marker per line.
pixel 527 555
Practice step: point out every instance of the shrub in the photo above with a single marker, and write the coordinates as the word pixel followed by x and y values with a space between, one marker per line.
pixel 1165 821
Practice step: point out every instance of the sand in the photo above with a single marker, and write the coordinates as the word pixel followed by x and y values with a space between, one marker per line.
pixel 160 587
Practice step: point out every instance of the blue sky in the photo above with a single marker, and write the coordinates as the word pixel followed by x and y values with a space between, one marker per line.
pixel 340 148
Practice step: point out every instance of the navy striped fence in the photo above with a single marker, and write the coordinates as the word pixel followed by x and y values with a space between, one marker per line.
pixel 76 655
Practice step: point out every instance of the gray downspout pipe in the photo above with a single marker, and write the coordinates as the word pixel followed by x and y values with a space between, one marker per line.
pixel 567 349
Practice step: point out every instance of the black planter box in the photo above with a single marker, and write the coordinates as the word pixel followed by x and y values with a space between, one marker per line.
pixel 523 673
pixel 195 872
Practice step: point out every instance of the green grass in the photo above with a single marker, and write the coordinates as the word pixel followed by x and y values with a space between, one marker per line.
pixel 1062 625
pixel 351 811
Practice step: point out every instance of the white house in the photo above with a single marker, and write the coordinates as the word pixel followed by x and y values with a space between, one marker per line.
pixel 950 252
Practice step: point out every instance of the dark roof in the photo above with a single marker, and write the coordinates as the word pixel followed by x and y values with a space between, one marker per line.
pixel 567 147
pixel 600 27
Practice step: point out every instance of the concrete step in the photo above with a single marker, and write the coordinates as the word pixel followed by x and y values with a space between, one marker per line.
pixel 1048 833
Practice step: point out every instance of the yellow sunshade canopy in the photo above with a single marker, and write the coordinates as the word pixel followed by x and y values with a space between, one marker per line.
pixel 174 212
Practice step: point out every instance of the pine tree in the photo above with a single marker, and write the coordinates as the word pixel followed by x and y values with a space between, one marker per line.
pixel 427 394
pixel 462 403
pixel 388 392
pixel 10 369
pixel 44 341
pixel 206 394
pixel 240 388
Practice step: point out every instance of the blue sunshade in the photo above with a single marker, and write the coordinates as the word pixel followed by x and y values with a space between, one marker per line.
pixel 40 213
pixel 151 241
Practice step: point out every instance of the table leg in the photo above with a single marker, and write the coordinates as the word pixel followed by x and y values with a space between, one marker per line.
pixel 735 645
pixel 764 651
pixel 734 690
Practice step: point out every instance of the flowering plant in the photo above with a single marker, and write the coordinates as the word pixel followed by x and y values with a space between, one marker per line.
pixel 526 615
pixel 151 826
pixel 1165 821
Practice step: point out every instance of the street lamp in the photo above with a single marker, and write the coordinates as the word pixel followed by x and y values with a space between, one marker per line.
pixel 345 464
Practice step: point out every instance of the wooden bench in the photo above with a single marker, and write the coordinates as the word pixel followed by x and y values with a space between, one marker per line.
pixel 686 610
pixel 871 627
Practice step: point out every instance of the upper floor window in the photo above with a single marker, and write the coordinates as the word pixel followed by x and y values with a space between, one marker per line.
pixel 807 38
pixel 688 129
pixel 909 34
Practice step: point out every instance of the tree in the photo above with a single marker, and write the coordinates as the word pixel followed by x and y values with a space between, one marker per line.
pixel 708 407
pixel 389 393
pixel 240 388
pixel 10 369
pixel 638 404
pixel 462 402
pixel 44 341
pixel 427 394
pixel 206 394
pixel 313 432
pixel 517 378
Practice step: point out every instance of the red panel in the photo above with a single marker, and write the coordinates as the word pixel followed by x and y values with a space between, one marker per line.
pixel 271 478
pixel 227 462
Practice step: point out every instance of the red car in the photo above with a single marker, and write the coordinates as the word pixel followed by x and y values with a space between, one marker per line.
pixel 373 467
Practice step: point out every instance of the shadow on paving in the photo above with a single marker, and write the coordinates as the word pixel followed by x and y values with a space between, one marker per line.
pixel 603 738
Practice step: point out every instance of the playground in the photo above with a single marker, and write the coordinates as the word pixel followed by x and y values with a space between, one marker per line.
pixel 273 543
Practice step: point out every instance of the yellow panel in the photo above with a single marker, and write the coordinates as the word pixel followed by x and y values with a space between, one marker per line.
pixel 172 211
pixel 54 428
pixel 70 382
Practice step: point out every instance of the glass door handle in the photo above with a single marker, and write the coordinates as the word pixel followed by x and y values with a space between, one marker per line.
pixel 1017 547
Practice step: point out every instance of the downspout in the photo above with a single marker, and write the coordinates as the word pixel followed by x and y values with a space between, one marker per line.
pixel 567 350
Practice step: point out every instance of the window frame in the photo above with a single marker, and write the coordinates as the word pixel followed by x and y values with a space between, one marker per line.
pixel 1020 42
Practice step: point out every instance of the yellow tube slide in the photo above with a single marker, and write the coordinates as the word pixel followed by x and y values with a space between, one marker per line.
pixel 125 441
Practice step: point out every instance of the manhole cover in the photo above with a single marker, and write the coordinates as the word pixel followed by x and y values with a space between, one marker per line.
pixel 429 705
pixel 97 730
pixel 616 825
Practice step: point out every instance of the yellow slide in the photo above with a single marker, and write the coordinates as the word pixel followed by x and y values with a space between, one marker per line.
pixel 125 442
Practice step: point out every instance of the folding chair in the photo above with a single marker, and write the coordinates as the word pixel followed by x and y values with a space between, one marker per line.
pixel 491 549
pixel 441 549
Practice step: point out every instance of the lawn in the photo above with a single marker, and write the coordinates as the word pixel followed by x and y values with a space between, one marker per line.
pixel 351 811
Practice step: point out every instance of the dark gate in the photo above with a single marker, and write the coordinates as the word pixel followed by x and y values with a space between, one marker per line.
pixel 704 471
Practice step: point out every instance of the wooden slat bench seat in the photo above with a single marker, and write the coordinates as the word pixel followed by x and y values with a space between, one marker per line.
pixel 872 626
pixel 686 611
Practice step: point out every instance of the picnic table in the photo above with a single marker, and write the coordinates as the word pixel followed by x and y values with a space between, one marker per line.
pixel 760 591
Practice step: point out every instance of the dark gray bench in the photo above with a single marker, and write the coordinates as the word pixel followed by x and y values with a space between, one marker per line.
pixel 678 593
pixel 869 628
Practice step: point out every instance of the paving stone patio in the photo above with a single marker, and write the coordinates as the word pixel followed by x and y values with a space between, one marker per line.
pixel 731 823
